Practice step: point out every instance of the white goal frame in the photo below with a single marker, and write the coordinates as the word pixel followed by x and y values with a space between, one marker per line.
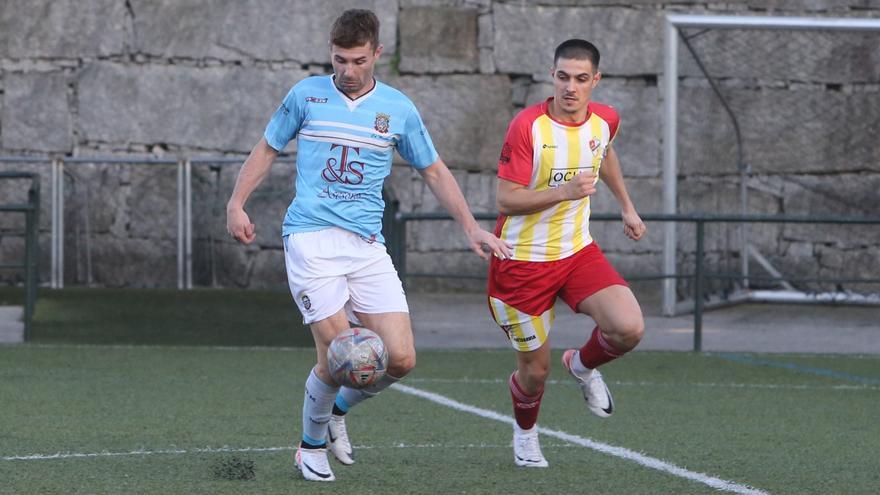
pixel 673 23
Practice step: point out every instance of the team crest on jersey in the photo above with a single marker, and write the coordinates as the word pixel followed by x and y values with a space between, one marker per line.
pixel 382 123
pixel 506 152
pixel 594 145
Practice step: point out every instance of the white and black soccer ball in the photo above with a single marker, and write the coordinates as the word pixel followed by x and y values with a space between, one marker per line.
pixel 357 358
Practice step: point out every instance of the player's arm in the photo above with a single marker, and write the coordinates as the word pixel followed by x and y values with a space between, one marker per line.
pixel 513 198
pixel 444 186
pixel 252 173
pixel 612 176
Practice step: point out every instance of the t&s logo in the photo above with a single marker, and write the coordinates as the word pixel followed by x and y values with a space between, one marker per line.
pixel 342 170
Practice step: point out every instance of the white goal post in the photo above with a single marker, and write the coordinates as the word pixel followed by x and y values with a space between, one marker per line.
pixel 673 24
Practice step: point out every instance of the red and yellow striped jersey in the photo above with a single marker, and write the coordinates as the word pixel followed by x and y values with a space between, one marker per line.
pixel 542 153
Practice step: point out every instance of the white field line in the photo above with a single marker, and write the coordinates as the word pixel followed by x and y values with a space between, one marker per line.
pixel 494 381
pixel 621 452
pixel 145 452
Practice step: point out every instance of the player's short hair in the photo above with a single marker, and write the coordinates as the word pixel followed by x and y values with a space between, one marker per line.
pixel 355 27
pixel 576 49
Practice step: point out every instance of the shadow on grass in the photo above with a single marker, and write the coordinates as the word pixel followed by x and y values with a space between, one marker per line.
pixel 169 317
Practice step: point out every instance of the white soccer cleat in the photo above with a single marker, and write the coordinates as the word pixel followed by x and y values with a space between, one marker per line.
pixel 593 387
pixel 313 464
pixel 527 448
pixel 337 440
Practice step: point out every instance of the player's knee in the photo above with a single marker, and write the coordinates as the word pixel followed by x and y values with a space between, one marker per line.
pixel 537 373
pixel 400 366
pixel 629 333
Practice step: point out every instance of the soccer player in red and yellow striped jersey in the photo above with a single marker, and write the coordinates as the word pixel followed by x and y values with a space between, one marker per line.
pixel 553 156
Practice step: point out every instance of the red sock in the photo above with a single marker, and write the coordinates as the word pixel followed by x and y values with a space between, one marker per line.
pixel 525 407
pixel 598 351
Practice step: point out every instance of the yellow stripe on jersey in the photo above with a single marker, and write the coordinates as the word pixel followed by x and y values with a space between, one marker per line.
pixel 555 240
pixel 581 219
pixel 526 238
pixel 559 151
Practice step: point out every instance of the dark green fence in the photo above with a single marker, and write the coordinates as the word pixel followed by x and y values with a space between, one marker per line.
pixel 31 211
pixel 396 223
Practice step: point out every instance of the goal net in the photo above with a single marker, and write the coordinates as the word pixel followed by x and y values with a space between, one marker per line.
pixel 778 116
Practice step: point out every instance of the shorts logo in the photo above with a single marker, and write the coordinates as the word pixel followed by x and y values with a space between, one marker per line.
pixel 507 329
pixel 506 152
pixel 559 176
pixel 315 99
pixel 307 303
pixel 524 339
pixel 382 123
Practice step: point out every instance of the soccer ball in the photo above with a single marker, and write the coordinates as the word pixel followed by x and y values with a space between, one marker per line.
pixel 357 358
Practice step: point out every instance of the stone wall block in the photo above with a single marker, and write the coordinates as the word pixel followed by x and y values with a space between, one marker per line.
pixel 839 195
pixel 35 114
pixel 268 271
pixel 129 262
pixel 519 51
pixel 810 55
pixel 206 108
pixel 783 131
pixel 102 193
pixel 271 30
pixel 266 206
pixel 455 263
pixel 16 191
pixel 853 263
pixel 438 40
pixel 646 194
pixel 62 28
pixel 467 115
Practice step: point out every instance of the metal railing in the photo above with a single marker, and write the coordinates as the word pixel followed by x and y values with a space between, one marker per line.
pixel 184 203
pixel 397 249
pixel 31 211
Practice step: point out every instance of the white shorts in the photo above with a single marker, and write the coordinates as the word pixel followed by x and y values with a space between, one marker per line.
pixel 332 269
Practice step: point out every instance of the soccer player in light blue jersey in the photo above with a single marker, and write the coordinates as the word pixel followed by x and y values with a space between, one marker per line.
pixel 347 127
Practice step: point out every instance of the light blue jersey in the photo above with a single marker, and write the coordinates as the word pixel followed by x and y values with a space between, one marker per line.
pixel 344 153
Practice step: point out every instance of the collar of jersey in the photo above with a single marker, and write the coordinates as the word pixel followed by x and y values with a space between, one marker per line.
pixel 353 103
pixel 546 108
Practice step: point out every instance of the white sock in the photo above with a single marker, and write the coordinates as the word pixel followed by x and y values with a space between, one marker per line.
pixel 351 397
pixel 317 406
pixel 578 367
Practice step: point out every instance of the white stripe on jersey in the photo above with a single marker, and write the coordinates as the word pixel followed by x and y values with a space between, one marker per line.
pixel 342 125
pixel 352 140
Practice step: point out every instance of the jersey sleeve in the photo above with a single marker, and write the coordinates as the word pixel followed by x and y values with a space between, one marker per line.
pixel 609 114
pixel 286 121
pixel 515 163
pixel 415 145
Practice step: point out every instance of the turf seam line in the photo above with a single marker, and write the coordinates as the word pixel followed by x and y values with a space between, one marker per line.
pixel 212 450
pixel 203 450
pixel 621 452
pixel 826 373
pixel 792 386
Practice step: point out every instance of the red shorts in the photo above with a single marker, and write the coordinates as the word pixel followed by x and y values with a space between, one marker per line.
pixel 532 286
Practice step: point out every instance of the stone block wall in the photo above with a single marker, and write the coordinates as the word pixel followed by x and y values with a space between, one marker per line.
pixel 163 78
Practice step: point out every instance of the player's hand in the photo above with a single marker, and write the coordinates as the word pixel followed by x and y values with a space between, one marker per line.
pixel 483 243
pixel 580 186
pixel 633 226
pixel 239 225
